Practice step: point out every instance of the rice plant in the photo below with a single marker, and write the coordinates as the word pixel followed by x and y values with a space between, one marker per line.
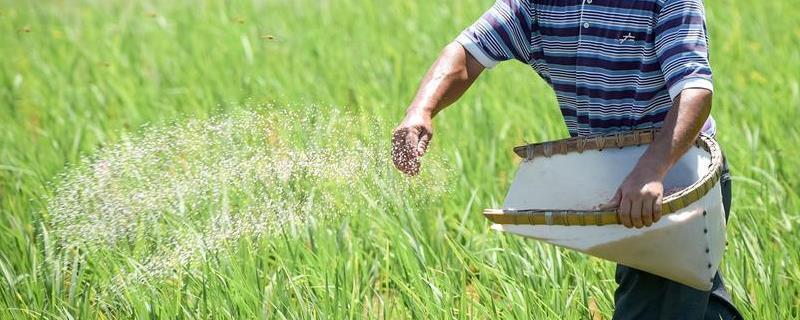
pixel 206 159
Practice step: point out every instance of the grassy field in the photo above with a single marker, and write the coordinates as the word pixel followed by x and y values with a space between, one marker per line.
pixel 79 75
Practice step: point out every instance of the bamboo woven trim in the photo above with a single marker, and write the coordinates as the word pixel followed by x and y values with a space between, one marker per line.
pixel 580 144
pixel 670 204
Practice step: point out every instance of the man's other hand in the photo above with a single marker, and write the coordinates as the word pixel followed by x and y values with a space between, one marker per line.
pixel 638 198
pixel 410 141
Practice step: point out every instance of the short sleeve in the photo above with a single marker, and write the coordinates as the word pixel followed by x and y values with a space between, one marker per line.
pixel 682 46
pixel 502 33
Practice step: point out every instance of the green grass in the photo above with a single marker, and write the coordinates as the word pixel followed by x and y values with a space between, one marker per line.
pixel 76 76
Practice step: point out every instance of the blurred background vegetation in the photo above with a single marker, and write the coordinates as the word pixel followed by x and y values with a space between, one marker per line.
pixel 76 75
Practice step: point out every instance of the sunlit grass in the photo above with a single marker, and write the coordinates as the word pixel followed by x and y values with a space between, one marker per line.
pixel 178 193
pixel 78 76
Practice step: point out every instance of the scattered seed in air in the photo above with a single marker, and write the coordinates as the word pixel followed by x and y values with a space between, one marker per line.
pixel 182 191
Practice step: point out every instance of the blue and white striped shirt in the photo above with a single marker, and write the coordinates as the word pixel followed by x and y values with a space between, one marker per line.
pixel 615 65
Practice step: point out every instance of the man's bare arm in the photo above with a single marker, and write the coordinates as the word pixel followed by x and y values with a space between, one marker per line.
pixel 447 79
pixel 639 197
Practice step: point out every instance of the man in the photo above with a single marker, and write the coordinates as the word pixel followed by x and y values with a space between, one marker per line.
pixel 615 65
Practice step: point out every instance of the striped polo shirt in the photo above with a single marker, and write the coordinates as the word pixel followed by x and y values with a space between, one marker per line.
pixel 615 65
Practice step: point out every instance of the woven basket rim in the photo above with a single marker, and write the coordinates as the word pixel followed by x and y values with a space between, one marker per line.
pixel 670 204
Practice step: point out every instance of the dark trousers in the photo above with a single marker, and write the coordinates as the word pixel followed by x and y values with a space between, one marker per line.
pixel 641 295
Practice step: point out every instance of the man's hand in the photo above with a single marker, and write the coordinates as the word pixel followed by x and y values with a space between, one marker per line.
pixel 447 79
pixel 638 198
pixel 410 141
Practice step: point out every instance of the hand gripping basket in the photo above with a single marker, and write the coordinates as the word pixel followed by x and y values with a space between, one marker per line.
pixel 559 183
